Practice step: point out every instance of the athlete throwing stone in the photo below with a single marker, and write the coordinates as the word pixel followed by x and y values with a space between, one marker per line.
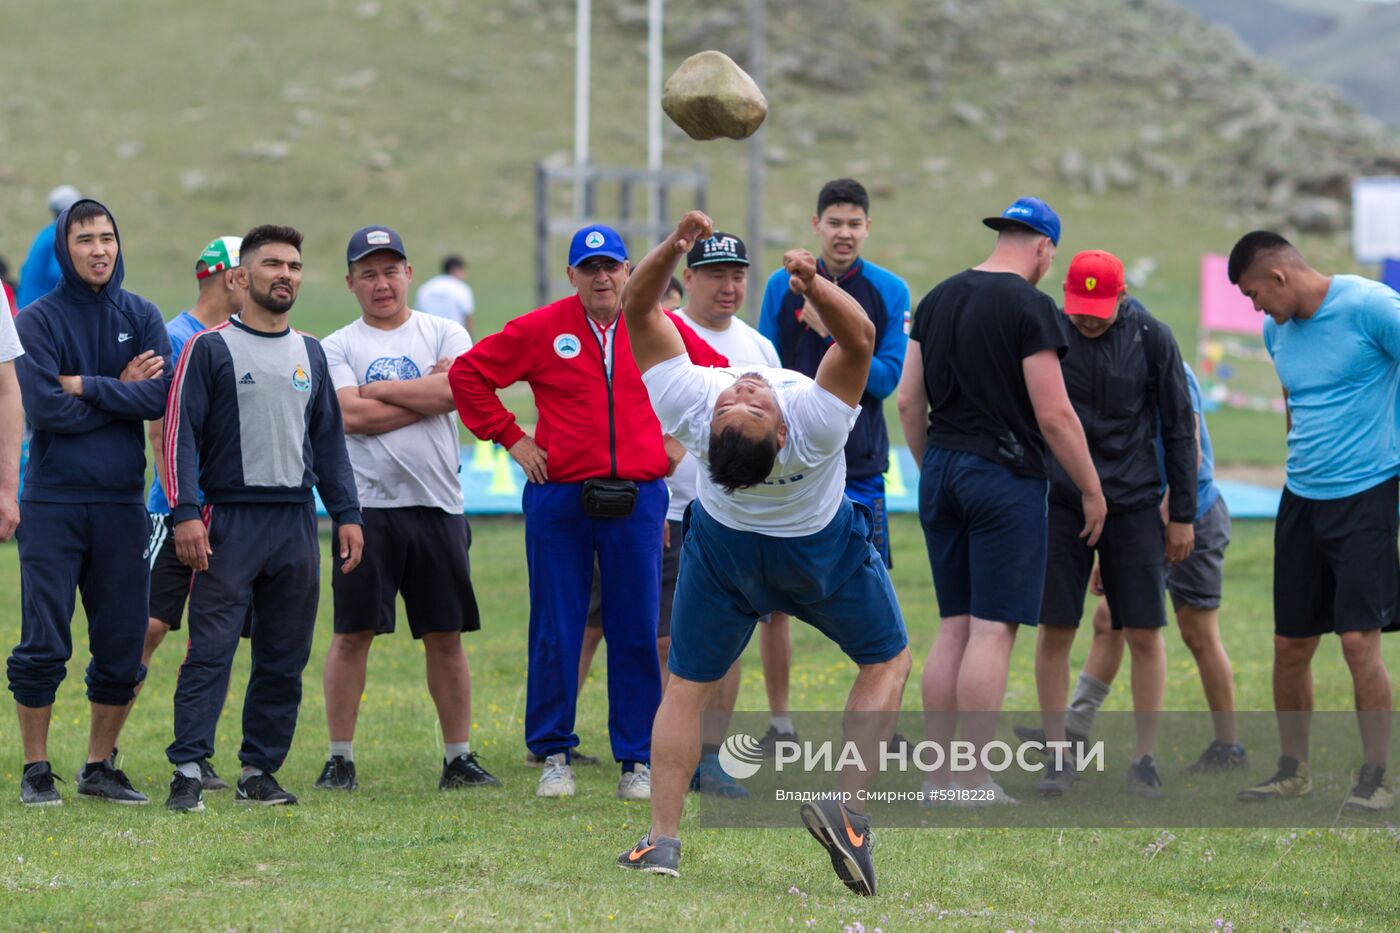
pixel 770 529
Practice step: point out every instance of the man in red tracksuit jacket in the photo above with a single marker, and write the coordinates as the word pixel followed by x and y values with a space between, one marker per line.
pixel 595 468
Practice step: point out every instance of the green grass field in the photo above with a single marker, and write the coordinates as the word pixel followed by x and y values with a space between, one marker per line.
pixel 399 854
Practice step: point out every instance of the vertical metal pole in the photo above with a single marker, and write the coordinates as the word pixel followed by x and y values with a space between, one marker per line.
pixel 582 67
pixel 541 234
pixel 655 13
pixel 757 66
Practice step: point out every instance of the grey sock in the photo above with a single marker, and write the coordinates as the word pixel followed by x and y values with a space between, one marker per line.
pixel 454 750
pixel 1089 694
pixel 249 772
pixel 189 769
pixel 345 750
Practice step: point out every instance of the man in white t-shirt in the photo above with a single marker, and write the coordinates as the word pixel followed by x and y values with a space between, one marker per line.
pixel 11 421
pixel 770 529
pixel 389 369
pixel 448 294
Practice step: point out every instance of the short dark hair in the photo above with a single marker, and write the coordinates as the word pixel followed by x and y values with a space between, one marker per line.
pixel 675 286
pixel 263 234
pixel 738 461
pixel 452 262
pixel 1249 247
pixel 86 211
pixel 843 191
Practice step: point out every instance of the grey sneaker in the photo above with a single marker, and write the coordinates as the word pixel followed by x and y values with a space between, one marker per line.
pixel 659 857
pixel 635 784
pixel 557 778
pixel 36 786
pixel 1056 781
pixel 101 781
pixel 1143 780
pixel 847 838
pixel 1219 757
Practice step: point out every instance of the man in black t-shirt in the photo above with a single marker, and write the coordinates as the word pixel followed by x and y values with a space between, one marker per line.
pixel 980 399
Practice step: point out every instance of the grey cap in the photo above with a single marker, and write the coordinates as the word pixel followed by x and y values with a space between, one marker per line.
pixel 62 198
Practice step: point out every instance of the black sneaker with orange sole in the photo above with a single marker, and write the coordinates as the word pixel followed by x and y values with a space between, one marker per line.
pixel 847 838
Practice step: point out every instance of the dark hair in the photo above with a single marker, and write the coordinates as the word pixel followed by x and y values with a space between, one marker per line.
pixel 1249 247
pixel 737 461
pixel 86 211
pixel 452 262
pixel 264 234
pixel 843 191
pixel 675 286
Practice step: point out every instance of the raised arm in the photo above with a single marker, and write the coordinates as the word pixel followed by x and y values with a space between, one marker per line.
pixel 653 336
pixel 846 365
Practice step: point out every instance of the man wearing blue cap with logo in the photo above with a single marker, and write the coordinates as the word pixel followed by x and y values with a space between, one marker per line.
pixel 981 399
pixel 595 467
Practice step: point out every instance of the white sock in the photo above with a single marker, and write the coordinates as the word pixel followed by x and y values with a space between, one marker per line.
pixel 189 769
pixel 345 750
pixel 784 725
pixel 454 750
pixel 249 772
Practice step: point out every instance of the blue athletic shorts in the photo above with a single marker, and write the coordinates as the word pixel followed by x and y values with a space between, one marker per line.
pixel 833 580
pixel 986 532
pixel 869 491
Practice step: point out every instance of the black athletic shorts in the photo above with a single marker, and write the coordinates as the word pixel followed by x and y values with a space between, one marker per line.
pixel 1335 563
pixel 1132 561
pixel 170 579
pixel 421 552
pixel 670 569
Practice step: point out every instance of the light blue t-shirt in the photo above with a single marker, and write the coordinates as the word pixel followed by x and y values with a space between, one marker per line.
pixel 1206 490
pixel 180 328
pixel 1341 369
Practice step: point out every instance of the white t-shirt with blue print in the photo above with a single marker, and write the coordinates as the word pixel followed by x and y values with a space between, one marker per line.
pixel 1341 369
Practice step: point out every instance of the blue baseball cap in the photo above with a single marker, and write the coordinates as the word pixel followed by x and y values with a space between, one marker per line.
pixel 1028 212
pixel 596 240
pixel 368 240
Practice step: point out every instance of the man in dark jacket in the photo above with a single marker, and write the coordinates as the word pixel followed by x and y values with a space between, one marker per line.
pixel 94 369
pixel 1124 376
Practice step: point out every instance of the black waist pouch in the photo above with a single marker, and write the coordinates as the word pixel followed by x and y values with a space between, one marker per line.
pixel 609 498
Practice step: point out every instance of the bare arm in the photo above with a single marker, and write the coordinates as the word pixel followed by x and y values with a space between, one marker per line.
pixel 11 433
pixel 368 416
pixel 1045 383
pixel 912 401
pixel 846 365
pixel 430 395
pixel 1287 414
pixel 155 432
pixel 653 336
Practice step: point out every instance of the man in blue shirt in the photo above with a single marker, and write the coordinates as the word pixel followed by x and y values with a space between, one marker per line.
pixel 1335 342
pixel 841 223
pixel 41 271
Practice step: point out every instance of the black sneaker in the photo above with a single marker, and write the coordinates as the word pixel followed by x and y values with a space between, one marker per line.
pixel 101 781
pixel 209 778
pixel 36 786
pixel 338 774
pixel 847 839
pixel 1219 757
pixel 263 789
pixel 772 737
pixel 576 758
pixel 662 857
pixel 465 771
pixel 1056 781
pixel 1143 780
pixel 186 794
pixel 1037 735
pixel 1372 791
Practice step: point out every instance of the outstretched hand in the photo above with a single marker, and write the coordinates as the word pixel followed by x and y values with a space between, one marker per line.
pixel 694 227
pixel 801 266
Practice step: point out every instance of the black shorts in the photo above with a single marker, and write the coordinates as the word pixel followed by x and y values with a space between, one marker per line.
pixel 419 551
pixel 670 569
pixel 1335 563
pixel 1132 561
pixel 170 579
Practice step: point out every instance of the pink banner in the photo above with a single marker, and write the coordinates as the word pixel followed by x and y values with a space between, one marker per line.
pixel 1223 307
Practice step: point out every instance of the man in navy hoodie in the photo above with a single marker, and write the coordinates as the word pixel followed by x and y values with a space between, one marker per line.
pixel 94 370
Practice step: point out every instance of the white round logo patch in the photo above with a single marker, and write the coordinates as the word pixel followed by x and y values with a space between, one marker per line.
pixel 741 756
pixel 567 346
pixel 593 240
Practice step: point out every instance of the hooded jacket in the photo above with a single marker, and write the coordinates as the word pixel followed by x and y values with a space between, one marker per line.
pixel 92 447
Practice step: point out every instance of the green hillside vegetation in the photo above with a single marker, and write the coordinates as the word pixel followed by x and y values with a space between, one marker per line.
pixel 195 121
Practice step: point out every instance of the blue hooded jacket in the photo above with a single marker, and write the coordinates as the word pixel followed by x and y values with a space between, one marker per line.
pixel 88 448
pixel 40 272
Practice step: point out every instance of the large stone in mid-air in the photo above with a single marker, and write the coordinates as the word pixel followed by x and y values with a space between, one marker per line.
pixel 710 97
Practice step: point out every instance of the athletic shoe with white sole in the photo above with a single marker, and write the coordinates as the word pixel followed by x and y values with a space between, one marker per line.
pixel 263 789
pixel 557 778
pixel 661 856
pixel 635 784
pixel 1372 792
pixel 1293 779
pixel 847 838
pixel 100 781
pixel 338 774
pixel 36 786
pixel 186 794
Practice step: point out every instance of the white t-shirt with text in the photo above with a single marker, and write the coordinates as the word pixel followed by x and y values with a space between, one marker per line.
pixel 446 296
pixel 804 491
pixel 416 465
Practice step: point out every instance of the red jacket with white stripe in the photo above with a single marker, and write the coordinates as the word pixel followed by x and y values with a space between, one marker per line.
pixel 589 426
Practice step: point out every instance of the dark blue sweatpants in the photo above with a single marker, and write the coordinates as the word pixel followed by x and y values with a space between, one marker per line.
pixel 560 544
pixel 96 549
pixel 265 554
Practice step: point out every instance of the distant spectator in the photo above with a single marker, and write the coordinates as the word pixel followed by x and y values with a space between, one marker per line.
pixel 41 271
pixel 448 294
pixel 674 298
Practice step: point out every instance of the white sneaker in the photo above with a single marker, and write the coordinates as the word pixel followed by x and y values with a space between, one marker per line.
pixel 557 778
pixel 989 794
pixel 635 784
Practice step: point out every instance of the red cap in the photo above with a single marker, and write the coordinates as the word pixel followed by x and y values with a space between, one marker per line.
pixel 1093 284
